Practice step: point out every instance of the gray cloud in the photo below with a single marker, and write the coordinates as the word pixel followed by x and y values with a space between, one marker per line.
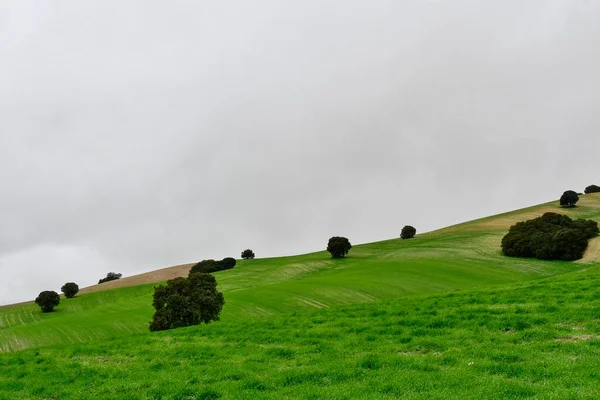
pixel 144 134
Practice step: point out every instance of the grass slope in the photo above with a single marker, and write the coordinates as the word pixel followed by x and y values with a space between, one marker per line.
pixel 538 339
pixel 464 256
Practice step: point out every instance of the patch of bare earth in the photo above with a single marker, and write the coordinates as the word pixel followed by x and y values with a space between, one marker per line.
pixel 592 252
pixel 577 338
pixel 160 275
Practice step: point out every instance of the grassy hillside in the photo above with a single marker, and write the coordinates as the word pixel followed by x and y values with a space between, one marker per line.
pixel 464 256
pixel 537 339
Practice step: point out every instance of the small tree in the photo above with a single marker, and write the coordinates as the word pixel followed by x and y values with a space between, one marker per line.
pixel 338 246
pixel 408 232
pixel 47 300
pixel 569 199
pixel 111 276
pixel 592 189
pixel 70 289
pixel 186 301
pixel 248 254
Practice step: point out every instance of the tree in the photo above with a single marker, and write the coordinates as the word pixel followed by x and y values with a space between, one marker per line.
pixel 338 246
pixel 227 263
pixel 592 189
pixel 549 237
pixel 408 232
pixel 204 266
pixel 47 300
pixel 569 199
pixel 70 289
pixel 209 266
pixel 186 301
pixel 248 254
pixel 111 276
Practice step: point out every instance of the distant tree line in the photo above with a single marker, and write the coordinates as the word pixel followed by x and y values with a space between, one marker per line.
pixel 209 266
pixel 549 237
pixel 111 276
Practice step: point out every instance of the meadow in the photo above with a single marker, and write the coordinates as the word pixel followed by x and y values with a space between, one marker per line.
pixel 538 339
pixel 443 315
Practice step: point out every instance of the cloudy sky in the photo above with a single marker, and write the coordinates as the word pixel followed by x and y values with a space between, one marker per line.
pixel 136 135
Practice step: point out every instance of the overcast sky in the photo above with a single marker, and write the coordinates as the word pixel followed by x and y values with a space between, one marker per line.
pixel 135 135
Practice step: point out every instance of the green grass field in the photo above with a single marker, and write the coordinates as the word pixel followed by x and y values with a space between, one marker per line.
pixel 536 339
pixel 443 315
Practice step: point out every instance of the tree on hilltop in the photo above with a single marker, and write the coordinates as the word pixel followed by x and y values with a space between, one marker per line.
pixel 338 246
pixel 549 237
pixel 70 289
pixel 408 232
pixel 569 199
pixel 592 189
pixel 111 276
pixel 248 254
pixel 47 300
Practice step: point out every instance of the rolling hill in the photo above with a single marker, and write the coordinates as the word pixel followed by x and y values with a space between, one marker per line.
pixel 464 256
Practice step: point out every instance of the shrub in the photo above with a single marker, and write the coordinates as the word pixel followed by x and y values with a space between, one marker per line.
pixel 70 289
pixel 227 263
pixel 569 199
pixel 186 301
pixel 549 237
pixel 209 266
pixel 408 232
pixel 248 254
pixel 338 246
pixel 47 300
pixel 592 189
pixel 111 276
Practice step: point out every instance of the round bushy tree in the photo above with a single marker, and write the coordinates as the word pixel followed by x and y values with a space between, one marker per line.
pixel 549 237
pixel 338 246
pixel 70 289
pixel 408 232
pixel 47 300
pixel 569 198
pixel 247 254
pixel 592 189
pixel 186 301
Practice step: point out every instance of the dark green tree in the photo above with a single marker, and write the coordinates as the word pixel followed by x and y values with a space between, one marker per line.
pixel 70 289
pixel 186 301
pixel 47 300
pixel 209 266
pixel 549 237
pixel 569 199
pixel 592 189
pixel 408 232
pixel 338 246
pixel 227 263
pixel 247 254
pixel 111 276
pixel 205 266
